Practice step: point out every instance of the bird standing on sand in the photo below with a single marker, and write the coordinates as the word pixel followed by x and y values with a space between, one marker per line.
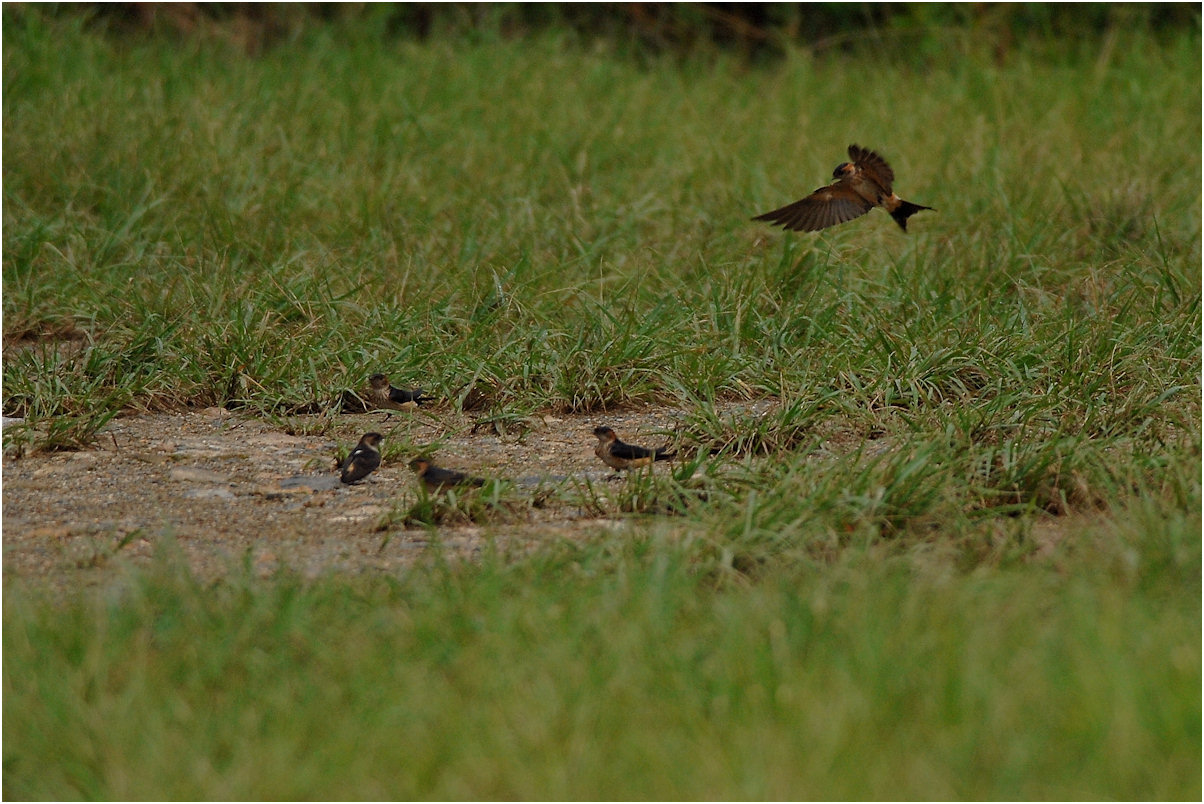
pixel 436 479
pixel 861 185
pixel 621 456
pixel 382 394
pixel 363 460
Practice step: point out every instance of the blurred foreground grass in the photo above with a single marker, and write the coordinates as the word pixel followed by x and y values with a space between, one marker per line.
pixel 615 669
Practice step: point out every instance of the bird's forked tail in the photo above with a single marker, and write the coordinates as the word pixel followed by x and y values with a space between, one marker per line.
pixel 904 211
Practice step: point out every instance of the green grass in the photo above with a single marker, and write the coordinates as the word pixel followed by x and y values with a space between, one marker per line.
pixel 458 216
pixel 558 227
pixel 628 668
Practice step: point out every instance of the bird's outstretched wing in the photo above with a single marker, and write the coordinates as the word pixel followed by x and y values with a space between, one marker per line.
pixel 873 166
pixel 825 207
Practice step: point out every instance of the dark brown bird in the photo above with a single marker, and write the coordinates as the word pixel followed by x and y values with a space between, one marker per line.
pixel 436 479
pixel 382 394
pixel 621 456
pixel 363 460
pixel 861 185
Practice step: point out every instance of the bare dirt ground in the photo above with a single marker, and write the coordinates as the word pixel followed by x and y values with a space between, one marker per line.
pixel 231 489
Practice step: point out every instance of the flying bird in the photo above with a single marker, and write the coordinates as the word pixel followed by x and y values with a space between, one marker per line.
pixel 619 455
pixel 382 394
pixel 436 479
pixel 861 184
pixel 363 460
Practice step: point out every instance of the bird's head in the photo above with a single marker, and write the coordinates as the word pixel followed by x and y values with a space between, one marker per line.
pixel 604 433
pixel 378 381
pixel 371 439
pixel 844 169
pixel 419 465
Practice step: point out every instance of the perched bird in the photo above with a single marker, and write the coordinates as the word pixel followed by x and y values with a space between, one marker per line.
pixel 363 460
pixel 861 185
pixel 436 479
pixel 618 455
pixel 382 394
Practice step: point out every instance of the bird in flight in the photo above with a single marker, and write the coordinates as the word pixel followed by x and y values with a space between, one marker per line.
pixel 622 456
pixel 861 184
